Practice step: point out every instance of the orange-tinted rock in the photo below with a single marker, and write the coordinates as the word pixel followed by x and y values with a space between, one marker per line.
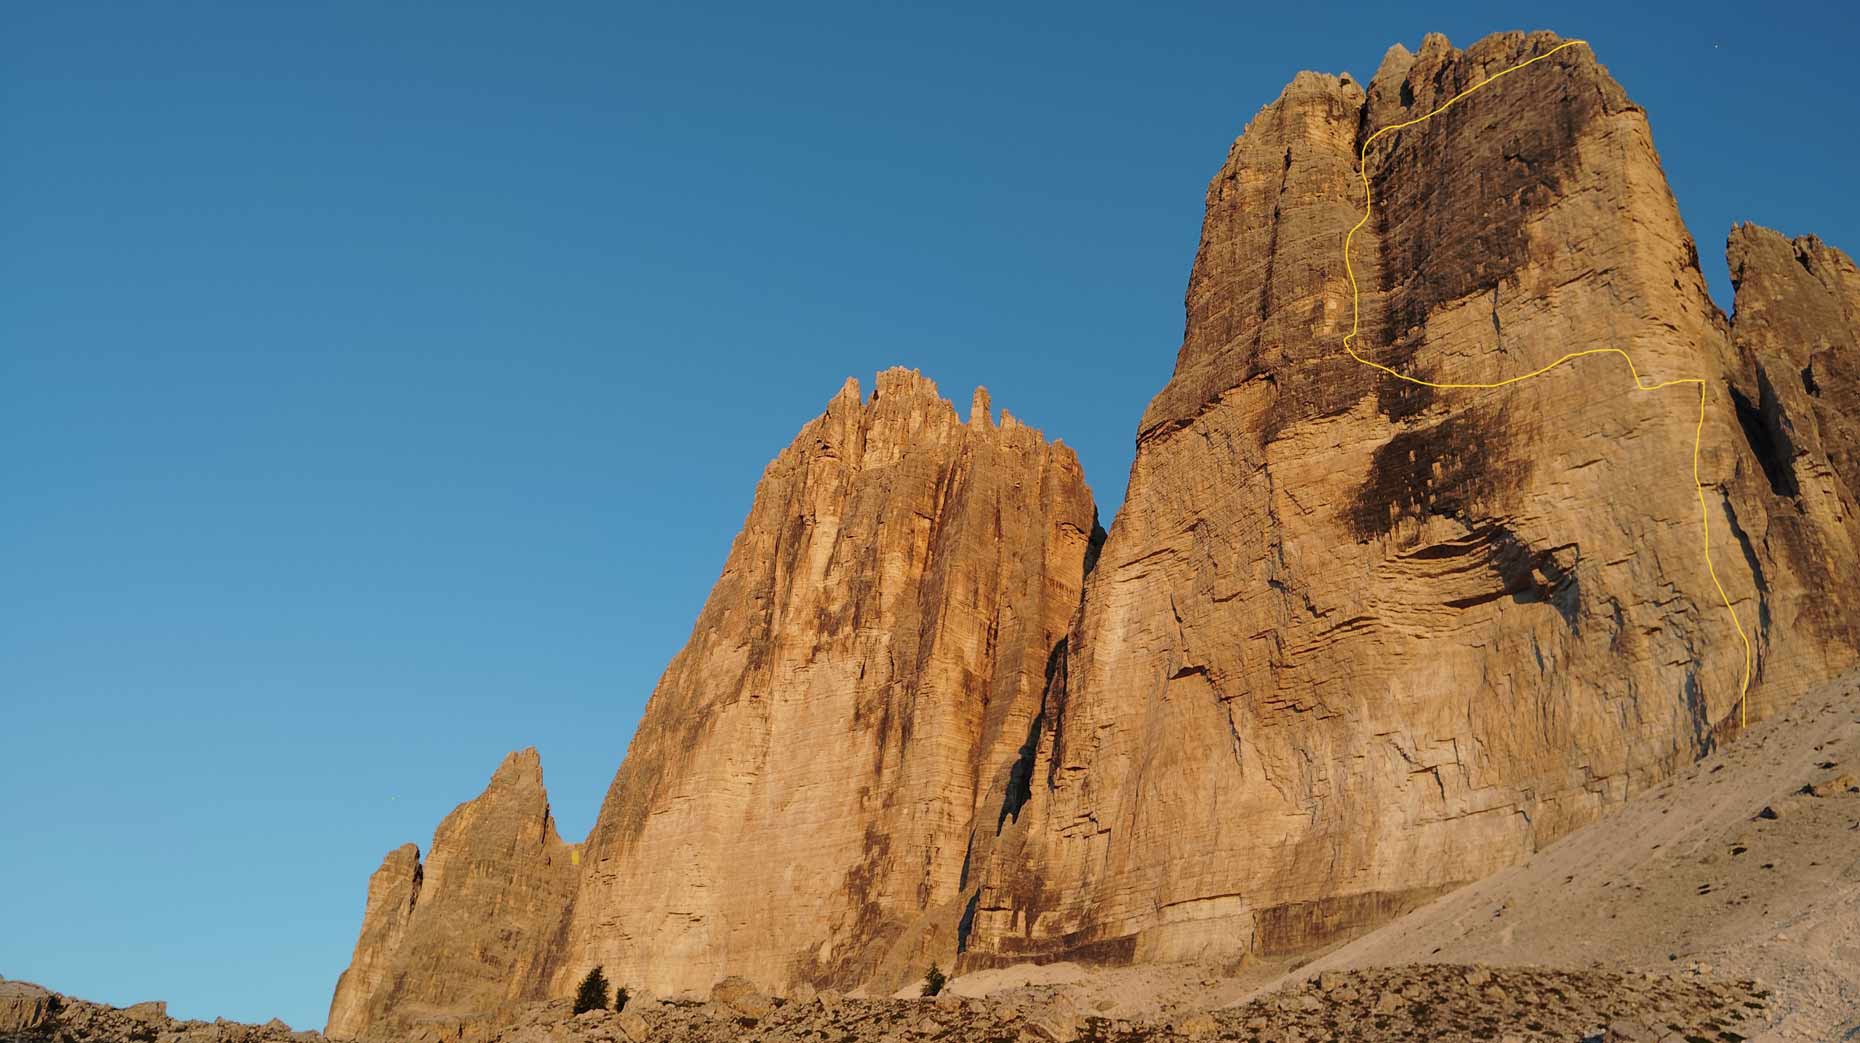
pixel 801 788
pixel 1353 641
pixel 462 935
pixel 1797 394
pixel 800 792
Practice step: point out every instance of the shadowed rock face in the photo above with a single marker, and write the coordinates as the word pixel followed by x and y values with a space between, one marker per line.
pixel 462 935
pixel 1350 644
pixel 1353 642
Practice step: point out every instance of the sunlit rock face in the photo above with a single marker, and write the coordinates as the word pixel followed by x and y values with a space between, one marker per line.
pixel 797 800
pixel 462 936
pixel 1353 641
pixel 1350 643
pixel 801 789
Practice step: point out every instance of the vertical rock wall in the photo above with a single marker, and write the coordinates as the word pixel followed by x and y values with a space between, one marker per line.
pixel 462 936
pixel 797 801
pixel 801 789
pixel 1353 641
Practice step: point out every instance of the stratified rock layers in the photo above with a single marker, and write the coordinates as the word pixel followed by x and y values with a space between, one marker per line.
pixel 1353 641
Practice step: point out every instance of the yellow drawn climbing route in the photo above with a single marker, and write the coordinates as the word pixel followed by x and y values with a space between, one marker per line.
pixel 1640 384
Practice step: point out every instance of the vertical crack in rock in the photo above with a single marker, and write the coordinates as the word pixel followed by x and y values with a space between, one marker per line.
pixel 1020 777
pixel 1756 578
pixel 1093 547
pixel 1764 431
pixel 967 922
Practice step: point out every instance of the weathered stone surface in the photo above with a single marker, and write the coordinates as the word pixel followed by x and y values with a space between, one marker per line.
pixel 1351 641
pixel 23 1006
pixel 1798 314
pixel 741 998
pixel 1438 1006
pixel 1834 787
pixel 632 1026
pixel 461 936
pixel 801 789
pixel 156 1010
pixel 32 1014
pixel 802 786
pixel 1796 392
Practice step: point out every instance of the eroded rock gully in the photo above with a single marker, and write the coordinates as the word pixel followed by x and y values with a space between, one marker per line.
pixel 1350 643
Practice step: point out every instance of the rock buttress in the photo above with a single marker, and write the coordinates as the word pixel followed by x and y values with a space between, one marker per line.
pixel 1352 642
pixel 1796 395
pixel 801 788
pixel 460 938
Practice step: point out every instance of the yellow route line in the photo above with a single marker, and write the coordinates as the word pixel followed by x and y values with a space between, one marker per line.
pixel 1640 384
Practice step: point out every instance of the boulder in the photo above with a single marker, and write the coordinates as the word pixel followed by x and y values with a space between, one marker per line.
pixel 1835 786
pixel 1199 1025
pixel 631 1026
pixel 740 998
pixel 152 1011
pixel 1054 1021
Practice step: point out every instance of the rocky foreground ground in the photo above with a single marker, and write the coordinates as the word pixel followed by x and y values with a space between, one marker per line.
pixel 1746 865
pixel 1722 906
pixel 1445 1003
pixel 32 1014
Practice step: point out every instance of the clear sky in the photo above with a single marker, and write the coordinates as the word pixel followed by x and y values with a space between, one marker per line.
pixel 381 384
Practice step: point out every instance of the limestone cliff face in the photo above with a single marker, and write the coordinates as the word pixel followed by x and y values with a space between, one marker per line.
pixel 1798 316
pixel 1797 394
pixel 1352 642
pixel 801 788
pixel 460 937
pixel 797 801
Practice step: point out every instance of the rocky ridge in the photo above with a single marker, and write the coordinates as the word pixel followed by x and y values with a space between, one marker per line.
pixel 1353 643
pixel 462 931
pixel 33 1014
pixel 797 800
pixel 1350 645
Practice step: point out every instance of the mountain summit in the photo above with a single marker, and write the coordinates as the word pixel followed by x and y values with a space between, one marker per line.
pixel 1351 643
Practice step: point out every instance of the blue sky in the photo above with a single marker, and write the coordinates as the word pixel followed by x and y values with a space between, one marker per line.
pixel 381 384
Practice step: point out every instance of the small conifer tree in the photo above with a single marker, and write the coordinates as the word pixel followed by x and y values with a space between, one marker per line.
pixel 933 981
pixel 592 995
pixel 620 998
